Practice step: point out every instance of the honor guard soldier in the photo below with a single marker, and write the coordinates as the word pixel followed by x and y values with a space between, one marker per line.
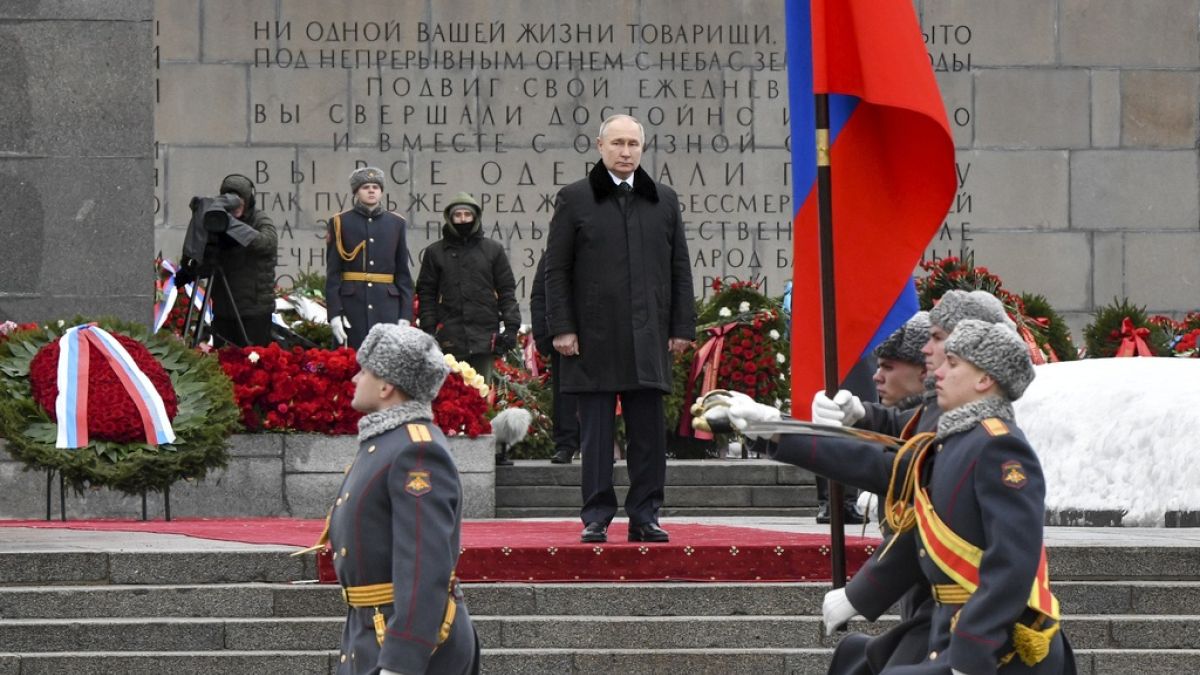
pixel 974 494
pixel 366 263
pixel 881 581
pixel 396 523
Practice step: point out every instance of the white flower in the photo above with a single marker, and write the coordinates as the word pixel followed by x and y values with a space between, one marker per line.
pixel 724 312
pixel 744 307
pixel 774 334
pixel 779 404
pixel 780 357
pixel 253 357
pixel 61 323
pixel 450 360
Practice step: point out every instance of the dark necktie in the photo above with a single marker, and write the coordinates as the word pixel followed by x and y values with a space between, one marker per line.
pixel 625 187
pixel 623 191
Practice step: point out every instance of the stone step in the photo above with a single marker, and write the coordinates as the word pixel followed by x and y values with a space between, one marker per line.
pixel 170 634
pixel 797 661
pixel 635 599
pixel 572 512
pixel 537 632
pixel 275 564
pixel 538 662
pixel 676 496
pixel 789 632
pixel 261 563
pixel 679 472
pixel 176 663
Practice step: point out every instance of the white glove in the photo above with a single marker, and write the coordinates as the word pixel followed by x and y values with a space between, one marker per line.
pixel 843 410
pixel 957 672
pixel 866 500
pixel 385 671
pixel 743 410
pixel 339 324
pixel 836 610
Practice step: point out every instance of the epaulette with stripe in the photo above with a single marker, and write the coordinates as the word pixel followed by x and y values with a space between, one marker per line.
pixel 995 426
pixel 419 433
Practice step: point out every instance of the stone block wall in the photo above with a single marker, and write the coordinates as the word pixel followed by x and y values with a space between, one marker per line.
pixel 295 475
pixel 1075 121
pixel 76 159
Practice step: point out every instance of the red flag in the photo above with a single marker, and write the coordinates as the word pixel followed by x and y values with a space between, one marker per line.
pixel 893 177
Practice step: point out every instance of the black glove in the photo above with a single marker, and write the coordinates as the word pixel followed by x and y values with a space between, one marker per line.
pixel 505 342
pixel 183 277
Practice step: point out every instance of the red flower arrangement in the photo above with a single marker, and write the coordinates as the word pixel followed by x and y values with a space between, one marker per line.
pixel 293 390
pixel 741 347
pixel 112 415
pixel 460 409
pixel 9 327
pixel 1187 345
pixel 311 390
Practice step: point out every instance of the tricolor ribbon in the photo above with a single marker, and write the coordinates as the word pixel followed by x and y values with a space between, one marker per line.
pixel 1133 340
pixel 71 406
pixel 708 363
pixel 170 293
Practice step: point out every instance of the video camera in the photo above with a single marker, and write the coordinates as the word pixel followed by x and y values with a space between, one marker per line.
pixel 213 227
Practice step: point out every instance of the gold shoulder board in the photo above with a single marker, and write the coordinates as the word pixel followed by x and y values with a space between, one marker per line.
pixel 995 426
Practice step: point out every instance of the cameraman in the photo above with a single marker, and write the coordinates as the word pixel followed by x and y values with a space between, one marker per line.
pixel 249 271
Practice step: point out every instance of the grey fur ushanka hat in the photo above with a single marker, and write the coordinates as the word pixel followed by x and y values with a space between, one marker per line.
pixel 406 357
pixel 367 174
pixel 996 350
pixel 906 342
pixel 957 305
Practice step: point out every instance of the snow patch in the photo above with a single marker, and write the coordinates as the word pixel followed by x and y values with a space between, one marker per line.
pixel 1117 434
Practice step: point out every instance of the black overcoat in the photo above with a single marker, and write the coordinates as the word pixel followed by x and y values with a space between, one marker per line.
pixel 620 279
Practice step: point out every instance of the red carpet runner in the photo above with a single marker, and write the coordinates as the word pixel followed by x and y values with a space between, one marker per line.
pixel 533 550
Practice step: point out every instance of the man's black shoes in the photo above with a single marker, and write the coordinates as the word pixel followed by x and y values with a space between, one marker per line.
pixel 823 513
pixel 648 532
pixel 562 456
pixel 850 514
pixel 594 533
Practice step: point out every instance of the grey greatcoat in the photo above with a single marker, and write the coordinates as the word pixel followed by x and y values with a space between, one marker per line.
pixel 398 519
pixel 384 251
pixel 880 582
pixel 620 279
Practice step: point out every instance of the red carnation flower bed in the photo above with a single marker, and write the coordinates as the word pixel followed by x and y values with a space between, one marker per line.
pixel 112 415
pixel 293 389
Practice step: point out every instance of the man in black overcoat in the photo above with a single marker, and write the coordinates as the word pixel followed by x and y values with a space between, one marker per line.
pixel 619 303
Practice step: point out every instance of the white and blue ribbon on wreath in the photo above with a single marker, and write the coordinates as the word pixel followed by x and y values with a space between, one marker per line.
pixel 73 370
pixel 171 293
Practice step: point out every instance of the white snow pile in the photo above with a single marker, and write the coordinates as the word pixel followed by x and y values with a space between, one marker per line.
pixel 1117 434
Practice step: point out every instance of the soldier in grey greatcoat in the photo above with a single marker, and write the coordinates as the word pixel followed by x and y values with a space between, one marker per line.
pixel 974 493
pixel 366 263
pixel 882 581
pixel 396 524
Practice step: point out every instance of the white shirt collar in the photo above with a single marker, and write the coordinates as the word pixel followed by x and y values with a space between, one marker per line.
pixel 618 181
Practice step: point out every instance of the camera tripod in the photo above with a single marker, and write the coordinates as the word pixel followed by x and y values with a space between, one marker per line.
pixel 210 275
